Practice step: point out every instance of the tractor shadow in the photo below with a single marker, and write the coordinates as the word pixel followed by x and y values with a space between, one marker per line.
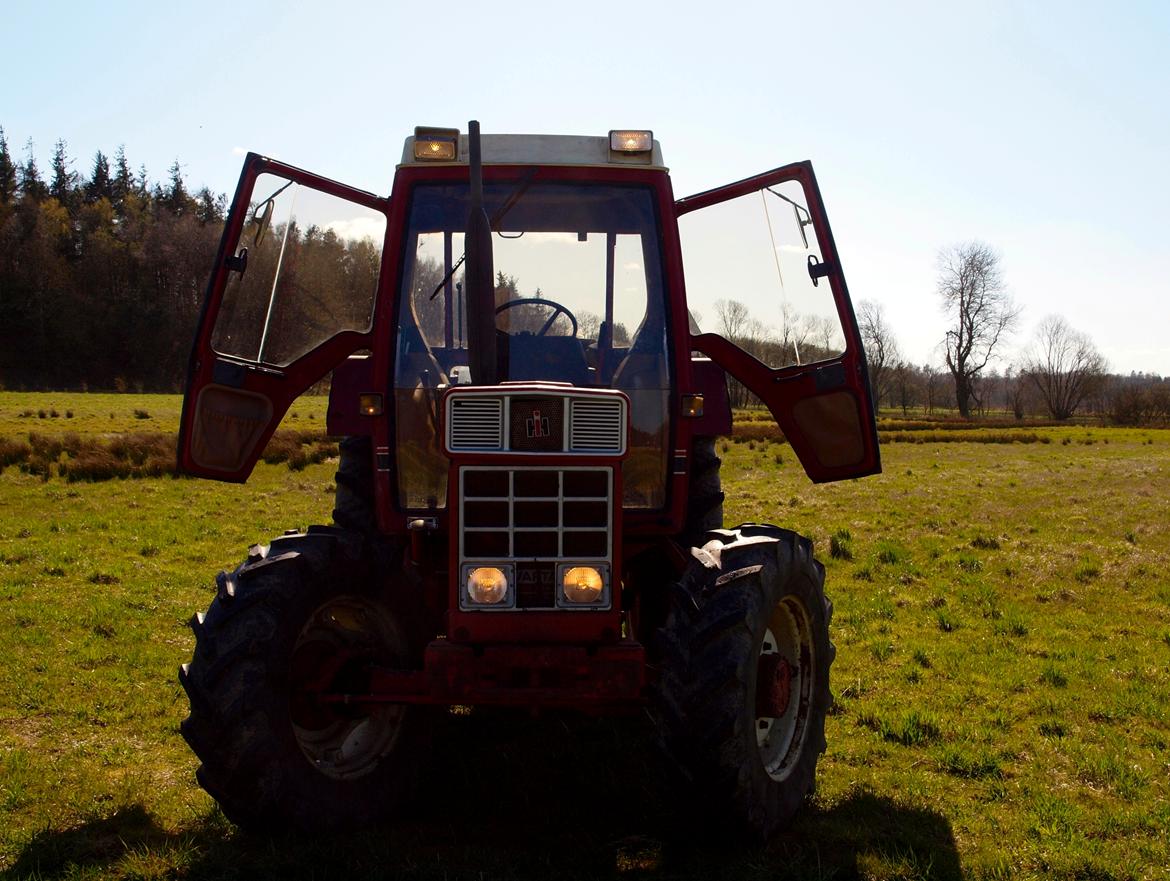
pixel 516 797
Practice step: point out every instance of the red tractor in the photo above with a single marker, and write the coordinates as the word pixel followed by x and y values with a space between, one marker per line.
pixel 528 508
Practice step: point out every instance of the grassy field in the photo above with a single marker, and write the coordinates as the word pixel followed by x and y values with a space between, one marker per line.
pixel 1003 678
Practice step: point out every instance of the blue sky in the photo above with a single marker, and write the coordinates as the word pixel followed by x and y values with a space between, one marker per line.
pixel 1042 129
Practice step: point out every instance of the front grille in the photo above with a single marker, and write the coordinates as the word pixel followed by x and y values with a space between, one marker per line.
pixel 596 426
pixel 578 422
pixel 535 516
pixel 477 424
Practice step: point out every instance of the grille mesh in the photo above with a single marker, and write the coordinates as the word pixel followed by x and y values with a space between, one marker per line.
pixel 536 514
pixel 477 424
pixel 596 426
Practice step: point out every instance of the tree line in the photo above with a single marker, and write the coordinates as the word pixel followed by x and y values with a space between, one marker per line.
pixel 101 274
pixel 1057 375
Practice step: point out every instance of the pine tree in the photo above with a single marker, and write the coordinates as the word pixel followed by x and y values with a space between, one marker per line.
pixel 31 185
pixel 100 186
pixel 142 184
pixel 7 172
pixel 209 208
pixel 64 185
pixel 176 197
pixel 123 183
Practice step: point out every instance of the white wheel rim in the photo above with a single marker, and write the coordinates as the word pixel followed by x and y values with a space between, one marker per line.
pixel 780 740
pixel 353 742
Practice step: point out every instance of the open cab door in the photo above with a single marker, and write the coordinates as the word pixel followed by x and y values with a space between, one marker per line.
pixel 760 259
pixel 291 295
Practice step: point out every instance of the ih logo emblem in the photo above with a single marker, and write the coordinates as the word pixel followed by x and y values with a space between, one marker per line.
pixel 537 425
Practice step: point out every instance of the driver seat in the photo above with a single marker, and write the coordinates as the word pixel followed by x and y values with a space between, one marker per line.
pixel 553 358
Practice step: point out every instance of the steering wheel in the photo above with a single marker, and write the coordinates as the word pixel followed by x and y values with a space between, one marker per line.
pixel 540 301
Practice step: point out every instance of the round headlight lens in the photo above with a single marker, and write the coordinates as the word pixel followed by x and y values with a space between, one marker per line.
pixel 582 584
pixel 487 585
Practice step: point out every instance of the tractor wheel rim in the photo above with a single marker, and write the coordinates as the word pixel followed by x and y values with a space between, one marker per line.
pixel 345 742
pixel 780 738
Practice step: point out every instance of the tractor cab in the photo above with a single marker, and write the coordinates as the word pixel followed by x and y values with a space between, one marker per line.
pixel 589 246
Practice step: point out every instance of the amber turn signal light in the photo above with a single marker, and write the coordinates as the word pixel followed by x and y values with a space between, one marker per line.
pixel 370 404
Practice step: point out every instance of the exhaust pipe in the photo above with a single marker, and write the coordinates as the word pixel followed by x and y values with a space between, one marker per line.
pixel 479 274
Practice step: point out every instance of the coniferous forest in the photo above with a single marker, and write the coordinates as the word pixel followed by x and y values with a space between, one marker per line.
pixel 102 273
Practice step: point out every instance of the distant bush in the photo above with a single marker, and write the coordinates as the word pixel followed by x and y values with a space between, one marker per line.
pixel 13 451
pixel 1141 405
pixel 94 464
pixel 960 436
pixel 757 425
pixel 959 424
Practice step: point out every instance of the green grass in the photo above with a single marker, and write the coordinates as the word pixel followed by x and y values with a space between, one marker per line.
pixel 1029 737
pixel 108 413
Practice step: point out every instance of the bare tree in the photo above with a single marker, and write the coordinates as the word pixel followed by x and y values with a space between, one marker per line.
pixel 733 318
pixel 737 325
pixel 1014 392
pixel 1064 365
pixel 971 286
pixel 824 332
pixel 930 379
pixel 881 349
pixel 905 385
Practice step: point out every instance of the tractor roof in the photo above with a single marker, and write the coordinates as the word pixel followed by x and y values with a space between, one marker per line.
pixel 531 149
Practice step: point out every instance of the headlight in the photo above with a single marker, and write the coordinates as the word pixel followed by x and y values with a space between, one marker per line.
pixel 582 585
pixel 486 586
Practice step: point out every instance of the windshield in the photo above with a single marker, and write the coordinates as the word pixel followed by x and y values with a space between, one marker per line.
pixel 579 299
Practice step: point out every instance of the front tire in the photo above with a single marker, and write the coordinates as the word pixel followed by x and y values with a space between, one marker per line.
pixel 744 686
pixel 274 757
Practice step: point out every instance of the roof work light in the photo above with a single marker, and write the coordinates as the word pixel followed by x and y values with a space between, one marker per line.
pixel 436 144
pixel 631 141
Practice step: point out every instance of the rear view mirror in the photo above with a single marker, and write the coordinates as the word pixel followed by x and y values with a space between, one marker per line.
pixel 803 219
pixel 261 217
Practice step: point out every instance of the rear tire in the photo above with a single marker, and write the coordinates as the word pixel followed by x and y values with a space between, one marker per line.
pixel 353 506
pixel 704 492
pixel 273 756
pixel 744 689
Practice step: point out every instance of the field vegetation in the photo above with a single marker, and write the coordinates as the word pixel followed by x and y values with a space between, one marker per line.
pixel 1002 682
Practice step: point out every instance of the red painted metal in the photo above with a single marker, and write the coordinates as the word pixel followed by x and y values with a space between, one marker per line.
pixel 573 676
pixel 773 686
pixel 351 378
pixel 710 381
pixel 582 626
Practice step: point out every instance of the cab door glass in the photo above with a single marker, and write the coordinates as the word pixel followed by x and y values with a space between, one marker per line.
pixel 310 271
pixel 754 275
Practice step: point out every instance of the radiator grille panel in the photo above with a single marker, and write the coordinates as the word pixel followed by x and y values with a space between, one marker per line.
pixel 586 425
pixel 596 426
pixel 477 424
pixel 540 515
